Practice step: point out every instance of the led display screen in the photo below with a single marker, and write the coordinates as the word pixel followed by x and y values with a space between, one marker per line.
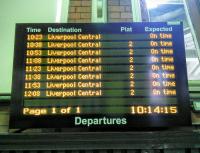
pixel 105 75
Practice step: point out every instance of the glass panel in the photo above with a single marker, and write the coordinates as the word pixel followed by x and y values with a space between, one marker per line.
pixel 23 11
pixel 174 10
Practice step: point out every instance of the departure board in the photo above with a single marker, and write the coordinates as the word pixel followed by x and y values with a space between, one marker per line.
pixel 99 75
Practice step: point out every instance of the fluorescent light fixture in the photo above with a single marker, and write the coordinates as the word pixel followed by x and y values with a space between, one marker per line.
pixel 58 10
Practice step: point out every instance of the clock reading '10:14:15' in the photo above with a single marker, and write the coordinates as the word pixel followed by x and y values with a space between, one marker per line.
pixel 154 110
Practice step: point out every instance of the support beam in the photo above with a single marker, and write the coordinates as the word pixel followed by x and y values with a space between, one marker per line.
pixel 62 9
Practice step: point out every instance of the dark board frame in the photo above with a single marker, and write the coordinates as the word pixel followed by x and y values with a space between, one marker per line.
pixel 17 120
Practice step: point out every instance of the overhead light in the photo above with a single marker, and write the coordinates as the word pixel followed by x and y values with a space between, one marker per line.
pixel 152 4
